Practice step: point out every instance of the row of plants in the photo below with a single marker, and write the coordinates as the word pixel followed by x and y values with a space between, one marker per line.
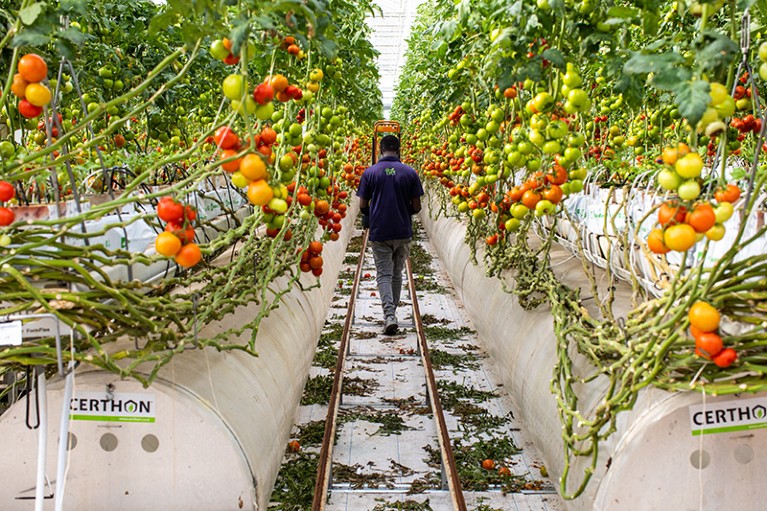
pixel 648 116
pixel 229 133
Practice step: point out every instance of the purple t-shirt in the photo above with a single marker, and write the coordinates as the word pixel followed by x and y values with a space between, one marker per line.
pixel 390 185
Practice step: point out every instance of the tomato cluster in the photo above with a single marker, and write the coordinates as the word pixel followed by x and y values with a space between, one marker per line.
pixel 7 193
pixel 680 227
pixel 33 95
pixel 177 240
pixel 221 49
pixel 311 259
pixel 704 325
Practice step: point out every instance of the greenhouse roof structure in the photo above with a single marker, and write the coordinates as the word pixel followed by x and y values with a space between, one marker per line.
pixel 390 33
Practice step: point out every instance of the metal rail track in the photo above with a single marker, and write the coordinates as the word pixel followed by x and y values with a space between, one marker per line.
pixel 449 470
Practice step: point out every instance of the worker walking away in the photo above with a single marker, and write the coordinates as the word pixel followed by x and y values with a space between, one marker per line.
pixel 390 194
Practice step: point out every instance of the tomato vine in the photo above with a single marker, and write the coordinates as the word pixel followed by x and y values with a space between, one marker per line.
pixel 577 122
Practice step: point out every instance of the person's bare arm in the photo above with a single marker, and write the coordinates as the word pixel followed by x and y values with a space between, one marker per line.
pixel 364 205
pixel 415 204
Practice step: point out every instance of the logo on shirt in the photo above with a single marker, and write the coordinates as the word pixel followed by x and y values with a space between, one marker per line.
pixel 390 172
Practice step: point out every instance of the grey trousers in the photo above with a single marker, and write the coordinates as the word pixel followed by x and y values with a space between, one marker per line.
pixel 390 257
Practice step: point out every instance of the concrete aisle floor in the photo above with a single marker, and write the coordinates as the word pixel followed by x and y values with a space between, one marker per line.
pixel 386 454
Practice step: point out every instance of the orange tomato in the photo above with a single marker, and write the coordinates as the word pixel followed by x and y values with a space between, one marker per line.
pixel 655 242
pixel 553 193
pixel 703 316
pixel 253 167
pixel 679 237
pixel 167 244
pixel 260 193
pixel 702 217
pixel 321 207
pixel 671 213
pixel 729 193
pixel 19 85
pixel 230 166
pixel 32 68
pixel 189 255
pixel 530 198
pixel 708 345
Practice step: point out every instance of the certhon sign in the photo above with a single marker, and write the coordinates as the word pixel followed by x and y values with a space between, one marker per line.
pixel 727 416
pixel 116 407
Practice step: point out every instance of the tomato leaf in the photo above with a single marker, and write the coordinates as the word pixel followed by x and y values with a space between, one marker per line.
pixel 669 78
pixel 30 38
pixel 718 52
pixel 29 14
pixel 745 4
pixel 162 21
pixel 631 86
pixel 692 98
pixel 640 63
pixel 239 34
pixel 622 12
pixel 73 35
pixel 650 23
pixel 554 56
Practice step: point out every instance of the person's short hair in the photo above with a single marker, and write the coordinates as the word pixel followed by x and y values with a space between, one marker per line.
pixel 390 144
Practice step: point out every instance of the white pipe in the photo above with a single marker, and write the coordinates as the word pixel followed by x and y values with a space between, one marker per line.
pixel 42 441
pixel 64 437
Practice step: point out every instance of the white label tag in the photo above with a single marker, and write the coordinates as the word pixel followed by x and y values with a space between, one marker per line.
pixel 10 333
pixel 729 416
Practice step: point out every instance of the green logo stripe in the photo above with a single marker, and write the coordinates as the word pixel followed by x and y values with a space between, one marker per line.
pixel 107 418
pixel 729 429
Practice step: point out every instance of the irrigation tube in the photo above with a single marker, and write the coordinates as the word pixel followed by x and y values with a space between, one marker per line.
pixel 42 441
pixel 64 436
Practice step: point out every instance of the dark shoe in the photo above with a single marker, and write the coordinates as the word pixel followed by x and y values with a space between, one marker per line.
pixel 390 326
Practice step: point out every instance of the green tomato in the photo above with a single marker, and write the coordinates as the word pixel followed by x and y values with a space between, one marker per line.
pixel 545 207
pixel 576 139
pixel 579 174
pixel 512 224
pixel 286 162
pixel 263 112
pixel 519 211
pixel 689 190
pixel 669 180
pixel 295 130
pixel 5 240
pixel 551 147
pixel 572 79
pixel 536 138
pixel 723 211
pixel 716 232
pixel 234 87
pixel 218 51
pixel 533 165
pixel 763 52
pixel 543 101
pixel 7 149
pixel 239 180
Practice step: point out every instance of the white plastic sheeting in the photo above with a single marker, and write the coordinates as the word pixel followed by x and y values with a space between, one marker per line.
pixel 650 462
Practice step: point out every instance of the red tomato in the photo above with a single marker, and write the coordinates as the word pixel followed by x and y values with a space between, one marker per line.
pixel 28 110
pixel 7 191
pixel 6 217
pixel 263 93
pixel 186 235
pixel 170 211
pixel 725 358
pixel 226 138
